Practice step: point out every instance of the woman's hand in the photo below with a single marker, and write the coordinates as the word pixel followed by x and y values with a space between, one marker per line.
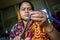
pixel 38 16
pixel 17 38
pixel 28 38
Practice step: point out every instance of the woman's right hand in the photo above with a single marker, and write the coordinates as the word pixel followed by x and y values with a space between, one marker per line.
pixel 17 38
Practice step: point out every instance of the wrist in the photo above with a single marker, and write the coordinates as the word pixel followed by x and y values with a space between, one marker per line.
pixel 45 24
pixel 48 27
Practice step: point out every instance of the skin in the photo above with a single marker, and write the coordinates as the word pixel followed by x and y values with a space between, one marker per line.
pixel 25 11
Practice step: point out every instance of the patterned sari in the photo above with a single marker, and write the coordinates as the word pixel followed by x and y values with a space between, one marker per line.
pixel 36 32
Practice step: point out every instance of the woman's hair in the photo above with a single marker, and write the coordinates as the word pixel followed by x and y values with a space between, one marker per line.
pixel 27 2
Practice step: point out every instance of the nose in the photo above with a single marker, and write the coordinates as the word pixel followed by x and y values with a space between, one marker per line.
pixel 26 10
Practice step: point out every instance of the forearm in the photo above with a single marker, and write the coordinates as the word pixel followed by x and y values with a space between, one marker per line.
pixel 51 31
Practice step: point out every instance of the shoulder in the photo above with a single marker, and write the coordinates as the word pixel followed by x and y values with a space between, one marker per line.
pixel 18 25
pixel 16 29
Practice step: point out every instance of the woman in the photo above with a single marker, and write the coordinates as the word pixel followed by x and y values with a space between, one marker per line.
pixel 26 8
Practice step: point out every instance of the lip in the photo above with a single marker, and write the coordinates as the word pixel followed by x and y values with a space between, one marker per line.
pixel 26 15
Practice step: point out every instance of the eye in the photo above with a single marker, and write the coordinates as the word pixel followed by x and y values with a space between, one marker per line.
pixel 29 9
pixel 22 9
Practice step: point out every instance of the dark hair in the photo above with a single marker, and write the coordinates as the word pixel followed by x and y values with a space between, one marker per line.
pixel 28 2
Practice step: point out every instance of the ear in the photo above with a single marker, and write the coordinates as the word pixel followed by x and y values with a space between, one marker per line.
pixel 18 15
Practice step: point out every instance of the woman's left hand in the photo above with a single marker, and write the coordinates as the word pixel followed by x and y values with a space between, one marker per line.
pixel 38 16
pixel 28 38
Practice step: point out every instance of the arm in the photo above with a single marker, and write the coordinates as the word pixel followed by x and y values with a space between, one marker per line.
pixel 51 31
pixel 15 31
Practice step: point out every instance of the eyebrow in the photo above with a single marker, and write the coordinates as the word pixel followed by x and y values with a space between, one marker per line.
pixel 25 7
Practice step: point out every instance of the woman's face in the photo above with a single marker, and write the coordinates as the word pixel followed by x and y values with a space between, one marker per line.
pixel 25 10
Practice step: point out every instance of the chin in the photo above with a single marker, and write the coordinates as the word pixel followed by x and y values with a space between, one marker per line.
pixel 25 18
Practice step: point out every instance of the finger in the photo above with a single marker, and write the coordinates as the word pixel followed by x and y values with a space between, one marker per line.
pixel 27 38
pixel 41 20
pixel 17 38
pixel 36 19
pixel 44 15
pixel 37 15
pixel 35 12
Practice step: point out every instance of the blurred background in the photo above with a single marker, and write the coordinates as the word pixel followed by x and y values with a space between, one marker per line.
pixel 9 13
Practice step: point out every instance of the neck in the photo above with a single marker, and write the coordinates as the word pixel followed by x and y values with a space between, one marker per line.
pixel 25 23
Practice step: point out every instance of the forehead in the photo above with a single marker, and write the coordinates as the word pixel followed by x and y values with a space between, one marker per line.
pixel 25 4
